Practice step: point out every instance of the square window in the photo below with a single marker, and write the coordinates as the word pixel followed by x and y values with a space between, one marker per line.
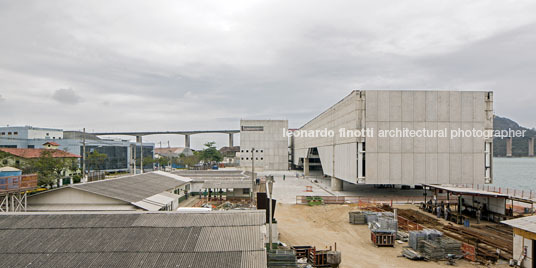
pixel 15 133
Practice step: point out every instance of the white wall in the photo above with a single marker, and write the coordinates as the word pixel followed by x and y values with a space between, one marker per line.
pixel 271 146
pixel 405 160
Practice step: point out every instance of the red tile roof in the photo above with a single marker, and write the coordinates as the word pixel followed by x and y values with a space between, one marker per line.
pixel 36 153
pixel 51 143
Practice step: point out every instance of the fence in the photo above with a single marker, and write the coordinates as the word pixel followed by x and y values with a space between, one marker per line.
pixel 523 194
pixel 304 200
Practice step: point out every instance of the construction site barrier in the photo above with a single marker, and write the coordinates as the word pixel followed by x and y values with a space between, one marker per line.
pixel 330 199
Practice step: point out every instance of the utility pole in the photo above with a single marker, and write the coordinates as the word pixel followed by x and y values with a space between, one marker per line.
pixel 84 178
pixel 252 173
pixel 270 187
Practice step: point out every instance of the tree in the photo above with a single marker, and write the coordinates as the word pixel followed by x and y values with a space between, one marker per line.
pixel 96 160
pixel 49 168
pixel 210 153
pixel 190 160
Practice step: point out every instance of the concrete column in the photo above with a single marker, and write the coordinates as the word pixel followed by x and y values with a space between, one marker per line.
pixel 140 140
pixel 306 166
pixel 509 147
pixel 187 141
pixel 336 184
pixel 531 146
pixel 230 139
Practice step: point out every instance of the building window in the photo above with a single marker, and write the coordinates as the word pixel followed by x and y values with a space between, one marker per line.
pixel 47 134
pixel 247 151
pixel 262 151
pixel 361 160
pixel 242 158
pixel 242 151
pixel 256 158
pixel 3 133
pixel 15 133
pixel 4 162
pixel 245 191
pixel 247 158
pixel 487 160
pixel 262 158
pixel 9 133
pixel 252 128
pixel 256 151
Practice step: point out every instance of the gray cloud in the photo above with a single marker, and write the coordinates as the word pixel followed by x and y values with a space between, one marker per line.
pixel 205 64
pixel 66 96
pixel 2 98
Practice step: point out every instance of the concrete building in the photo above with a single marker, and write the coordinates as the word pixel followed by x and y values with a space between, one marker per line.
pixel 154 240
pixel 524 240
pixel 31 133
pixel 120 153
pixel 149 191
pixel 269 144
pixel 383 158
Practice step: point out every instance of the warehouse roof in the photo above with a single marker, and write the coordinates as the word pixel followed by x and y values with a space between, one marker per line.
pixel 227 184
pixel 465 190
pixel 207 175
pixel 134 188
pixel 525 223
pixel 212 239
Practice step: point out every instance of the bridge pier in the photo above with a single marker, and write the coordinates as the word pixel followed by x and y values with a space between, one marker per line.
pixel 231 140
pixel 509 147
pixel 531 146
pixel 187 141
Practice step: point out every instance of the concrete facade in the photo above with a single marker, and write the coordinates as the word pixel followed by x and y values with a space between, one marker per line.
pixel 28 132
pixel 376 159
pixel 269 143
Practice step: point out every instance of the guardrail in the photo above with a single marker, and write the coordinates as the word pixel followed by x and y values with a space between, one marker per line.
pixel 523 194
pixel 18 183
pixel 304 200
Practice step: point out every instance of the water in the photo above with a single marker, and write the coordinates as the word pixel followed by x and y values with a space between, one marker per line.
pixel 515 173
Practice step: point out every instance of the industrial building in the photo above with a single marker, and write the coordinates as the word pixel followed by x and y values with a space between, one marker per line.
pixel 235 183
pixel 212 239
pixel 120 154
pixel 152 191
pixel 524 240
pixel 341 152
pixel 263 143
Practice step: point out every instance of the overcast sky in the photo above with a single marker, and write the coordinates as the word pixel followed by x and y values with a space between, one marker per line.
pixel 184 65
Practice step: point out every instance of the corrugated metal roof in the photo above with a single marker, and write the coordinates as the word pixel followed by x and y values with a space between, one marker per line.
pixel 227 184
pixel 133 240
pixel 210 175
pixel 133 188
pixel 525 223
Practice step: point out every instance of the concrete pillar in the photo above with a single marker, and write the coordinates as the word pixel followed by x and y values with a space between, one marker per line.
pixel 140 140
pixel 336 184
pixel 187 141
pixel 231 140
pixel 531 146
pixel 306 166
pixel 509 147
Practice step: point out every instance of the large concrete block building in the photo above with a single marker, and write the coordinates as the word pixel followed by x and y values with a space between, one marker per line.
pixel 401 158
pixel 269 144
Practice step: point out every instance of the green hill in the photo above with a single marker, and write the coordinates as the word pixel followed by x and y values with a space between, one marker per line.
pixel 519 145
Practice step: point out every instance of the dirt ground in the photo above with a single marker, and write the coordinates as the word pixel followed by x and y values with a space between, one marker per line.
pixel 323 226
